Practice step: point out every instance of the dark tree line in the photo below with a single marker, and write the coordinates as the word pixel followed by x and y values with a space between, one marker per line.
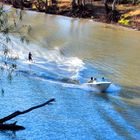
pixel 40 4
pixel 80 8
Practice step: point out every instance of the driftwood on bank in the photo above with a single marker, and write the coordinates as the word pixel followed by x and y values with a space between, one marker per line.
pixel 15 127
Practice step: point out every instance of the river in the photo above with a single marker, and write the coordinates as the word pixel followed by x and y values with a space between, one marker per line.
pixel 64 50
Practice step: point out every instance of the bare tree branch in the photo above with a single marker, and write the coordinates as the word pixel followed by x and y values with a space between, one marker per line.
pixel 13 115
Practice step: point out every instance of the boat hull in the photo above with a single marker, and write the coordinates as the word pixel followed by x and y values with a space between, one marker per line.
pixel 102 86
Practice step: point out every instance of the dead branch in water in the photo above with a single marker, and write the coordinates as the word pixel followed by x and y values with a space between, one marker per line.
pixel 15 127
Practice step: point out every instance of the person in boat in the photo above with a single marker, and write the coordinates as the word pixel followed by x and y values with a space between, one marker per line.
pixel 91 80
pixel 94 80
pixel 103 79
pixel 30 56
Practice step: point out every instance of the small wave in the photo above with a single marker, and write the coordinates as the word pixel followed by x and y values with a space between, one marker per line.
pixel 113 88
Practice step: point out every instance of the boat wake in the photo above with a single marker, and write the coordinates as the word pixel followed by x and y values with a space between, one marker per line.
pixel 50 65
pixel 47 64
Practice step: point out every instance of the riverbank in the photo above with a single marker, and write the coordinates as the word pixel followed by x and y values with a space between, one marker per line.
pixel 128 14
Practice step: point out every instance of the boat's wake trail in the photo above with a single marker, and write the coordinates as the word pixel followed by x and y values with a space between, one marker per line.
pixel 49 65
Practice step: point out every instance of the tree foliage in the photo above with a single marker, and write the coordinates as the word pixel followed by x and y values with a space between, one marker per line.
pixel 10 27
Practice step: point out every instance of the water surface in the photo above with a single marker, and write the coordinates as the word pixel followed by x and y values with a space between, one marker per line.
pixel 64 50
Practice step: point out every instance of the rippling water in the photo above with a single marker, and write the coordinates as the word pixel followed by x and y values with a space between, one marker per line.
pixel 67 50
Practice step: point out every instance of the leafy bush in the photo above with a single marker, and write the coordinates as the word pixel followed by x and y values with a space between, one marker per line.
pixel 123 21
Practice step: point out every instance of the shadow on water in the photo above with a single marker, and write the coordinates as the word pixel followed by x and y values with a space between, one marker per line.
pixel 2 92
pixel 10 135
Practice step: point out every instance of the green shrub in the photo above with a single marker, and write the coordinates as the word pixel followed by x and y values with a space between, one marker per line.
pixel 123 21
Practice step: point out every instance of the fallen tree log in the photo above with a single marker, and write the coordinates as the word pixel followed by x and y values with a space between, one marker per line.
pixel 15 127
pixel 12 127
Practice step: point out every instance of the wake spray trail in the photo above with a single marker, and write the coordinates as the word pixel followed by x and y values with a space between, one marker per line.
pixel 48 64
pixel 51 65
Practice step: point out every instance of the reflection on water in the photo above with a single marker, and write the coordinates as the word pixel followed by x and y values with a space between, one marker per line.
pixel 65 51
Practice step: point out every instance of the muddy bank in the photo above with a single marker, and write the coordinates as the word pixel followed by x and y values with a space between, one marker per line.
pixel 126 15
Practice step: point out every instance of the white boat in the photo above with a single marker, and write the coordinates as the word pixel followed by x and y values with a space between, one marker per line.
pixel 102 85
